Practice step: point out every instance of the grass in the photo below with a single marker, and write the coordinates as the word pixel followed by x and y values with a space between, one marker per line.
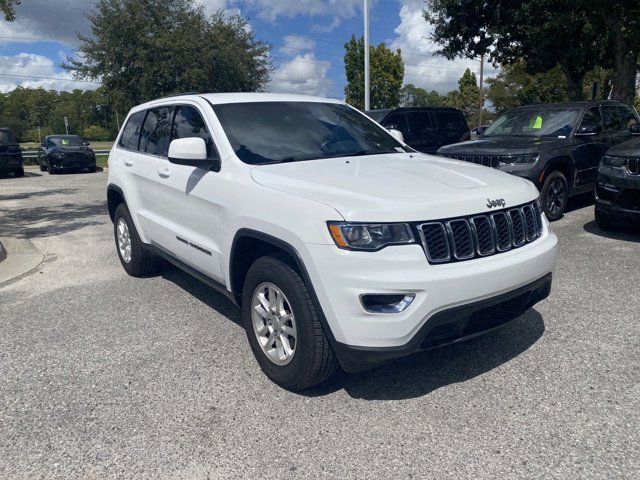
pixel 94 145
pixel 101 160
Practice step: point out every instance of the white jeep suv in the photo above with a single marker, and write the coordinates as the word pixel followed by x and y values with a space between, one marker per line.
pixel 341 244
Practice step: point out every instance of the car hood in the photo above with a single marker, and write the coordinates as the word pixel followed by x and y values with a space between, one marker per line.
pixel 630 148
pixel 505 145
pixel 396 187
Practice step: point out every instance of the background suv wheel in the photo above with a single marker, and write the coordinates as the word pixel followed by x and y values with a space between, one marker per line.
pixel 555 193
pixel 283 327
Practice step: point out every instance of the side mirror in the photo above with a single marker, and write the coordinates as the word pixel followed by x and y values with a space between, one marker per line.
pixel 397 134
pixel 42 145
pixel 588 130
pixel 191 152
pixel 635 129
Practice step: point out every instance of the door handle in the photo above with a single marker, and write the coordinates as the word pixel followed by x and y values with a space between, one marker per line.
pixel 128 163
pixel 164 172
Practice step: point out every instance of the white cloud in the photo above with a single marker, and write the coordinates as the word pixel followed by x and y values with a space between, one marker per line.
pixel 305 74
pixel 294 44
pixel 270 10
pixel 32 71
pixel 422 67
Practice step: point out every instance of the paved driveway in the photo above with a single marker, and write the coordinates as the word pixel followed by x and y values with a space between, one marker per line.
pixel 107 376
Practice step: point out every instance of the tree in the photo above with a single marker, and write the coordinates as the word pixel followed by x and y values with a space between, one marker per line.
pixel 144 49
pixel 387 73
pixel 412 96
pixel 8 9
pixel 467 97
pixel 542 33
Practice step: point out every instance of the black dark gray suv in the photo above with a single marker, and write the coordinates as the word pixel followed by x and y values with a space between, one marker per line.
pixel 556 146
pixel 618 188
pixel 10 154
pixel 425 128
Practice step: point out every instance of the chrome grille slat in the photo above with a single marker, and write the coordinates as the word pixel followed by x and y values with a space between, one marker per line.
pixel 483 235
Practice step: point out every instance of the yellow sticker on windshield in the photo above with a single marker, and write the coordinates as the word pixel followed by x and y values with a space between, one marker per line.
pixel 65 141
pixel 537 125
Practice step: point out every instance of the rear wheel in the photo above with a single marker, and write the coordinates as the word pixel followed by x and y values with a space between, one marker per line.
pixel 43 168
pixel 283 327
pixel 19 172
pixel 134 257
pixel 555 193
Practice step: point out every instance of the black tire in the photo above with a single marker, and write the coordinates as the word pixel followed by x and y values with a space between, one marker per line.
pixel 19 172
pixel 313 360
pixel 43 168
pixel 604 222
pixel 555 194
pixel 92 169
pixel 50 169
pixel 142 263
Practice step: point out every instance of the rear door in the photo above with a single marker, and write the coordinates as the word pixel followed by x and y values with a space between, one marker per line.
pixel 422 131
pixel 451 125
pixel 191 224
pixel 590 149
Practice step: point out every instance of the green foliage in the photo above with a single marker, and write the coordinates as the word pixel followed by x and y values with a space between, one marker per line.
pixel 467 97
pixel 24 109
pixel 387 73
pixel 412 96
pixel 95 132
pixel 8 9
pixel 144 49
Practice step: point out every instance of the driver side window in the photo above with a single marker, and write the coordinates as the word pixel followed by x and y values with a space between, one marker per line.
pixel 592 118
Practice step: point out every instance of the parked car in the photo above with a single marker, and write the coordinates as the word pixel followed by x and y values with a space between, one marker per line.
pixel 425 128
pixel 618 188
pixel 340 244
pixel 65 152
pixel 10 154
pixel 476 132
pixel 556 146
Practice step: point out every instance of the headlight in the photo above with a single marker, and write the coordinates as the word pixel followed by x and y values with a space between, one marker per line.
pixel 528 158
pixel 616 162
pixel 370 236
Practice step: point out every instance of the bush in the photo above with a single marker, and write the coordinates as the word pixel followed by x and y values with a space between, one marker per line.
pixel 32 135
pixel 96 132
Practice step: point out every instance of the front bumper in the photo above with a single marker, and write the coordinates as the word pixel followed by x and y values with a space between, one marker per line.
pixel 340 277
pixel 69 163
pixel 618 195
pixel 10 162
pixel 451 326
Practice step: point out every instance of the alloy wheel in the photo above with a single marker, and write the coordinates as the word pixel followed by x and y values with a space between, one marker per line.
pixel 556 197
pixel 124 240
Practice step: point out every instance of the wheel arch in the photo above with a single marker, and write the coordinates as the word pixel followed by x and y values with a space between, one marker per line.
pixel 115 196
pixel 563 164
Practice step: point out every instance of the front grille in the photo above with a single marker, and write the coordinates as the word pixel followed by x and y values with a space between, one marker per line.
pixel 633 166
pixel 457 239
pixel 486 160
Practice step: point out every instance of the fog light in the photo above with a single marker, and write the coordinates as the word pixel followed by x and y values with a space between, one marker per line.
pixel 386 302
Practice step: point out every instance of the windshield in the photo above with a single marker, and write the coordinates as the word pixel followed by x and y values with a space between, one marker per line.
pixel 6 136
pixel 273 132
pixel 70 141
pixel 547 122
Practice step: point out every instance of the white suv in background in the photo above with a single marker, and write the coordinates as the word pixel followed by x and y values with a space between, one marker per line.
pixel 341 244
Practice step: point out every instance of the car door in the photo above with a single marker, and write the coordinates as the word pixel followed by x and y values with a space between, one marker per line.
pixel 191 226
pixel 614 124
pixel 138 152
pixel 590 149
pixel 422 131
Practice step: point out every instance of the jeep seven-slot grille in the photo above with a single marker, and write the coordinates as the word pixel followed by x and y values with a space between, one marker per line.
pixel 486 160
pixel 457 239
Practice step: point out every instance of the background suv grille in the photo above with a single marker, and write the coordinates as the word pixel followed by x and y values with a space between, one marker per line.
pixel 457 239
pixel 486 160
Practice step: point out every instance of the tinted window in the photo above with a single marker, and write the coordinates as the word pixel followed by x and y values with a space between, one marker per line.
pixel 156 131
pixel 450 120
pixel 189 123
pixel 419 122
pixel 131 133
pixel 628 115
pixel 6 136
pixel 592 118
pixel 268 132
pixel 66 141
pixel 397 119
pixel 612 119
pixel 530 122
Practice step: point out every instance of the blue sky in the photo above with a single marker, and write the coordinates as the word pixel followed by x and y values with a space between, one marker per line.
pixel 307 38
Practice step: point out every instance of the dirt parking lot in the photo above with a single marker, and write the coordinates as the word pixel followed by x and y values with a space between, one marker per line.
pixel 107 376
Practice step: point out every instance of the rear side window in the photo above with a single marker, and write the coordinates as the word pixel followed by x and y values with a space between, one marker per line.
pixel 131 133
pixel 156 131
pixel 419 122
pixel 450 120
pixel 189 123
pixel 612 120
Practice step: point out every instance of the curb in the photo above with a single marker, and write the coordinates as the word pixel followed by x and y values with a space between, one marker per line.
pixel 21 259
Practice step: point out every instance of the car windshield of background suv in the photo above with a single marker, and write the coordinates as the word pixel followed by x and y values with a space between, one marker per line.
pixel 66 141
pixel 535 123
pixel 276 132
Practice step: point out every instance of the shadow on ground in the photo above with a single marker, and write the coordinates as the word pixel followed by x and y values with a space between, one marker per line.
pixel 409 377
pixel 580 201
pixel 38 193
pixel 627 234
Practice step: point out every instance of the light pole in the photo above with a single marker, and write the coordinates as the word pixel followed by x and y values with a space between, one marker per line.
pixel 481 111
pixel 367 79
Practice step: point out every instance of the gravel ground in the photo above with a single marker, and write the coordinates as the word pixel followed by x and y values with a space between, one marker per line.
pixel 107 376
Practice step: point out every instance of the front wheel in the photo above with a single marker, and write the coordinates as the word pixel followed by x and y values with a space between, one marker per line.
pixel 134 257
pixel 555 193
pixel 19 172
pixel 283 326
